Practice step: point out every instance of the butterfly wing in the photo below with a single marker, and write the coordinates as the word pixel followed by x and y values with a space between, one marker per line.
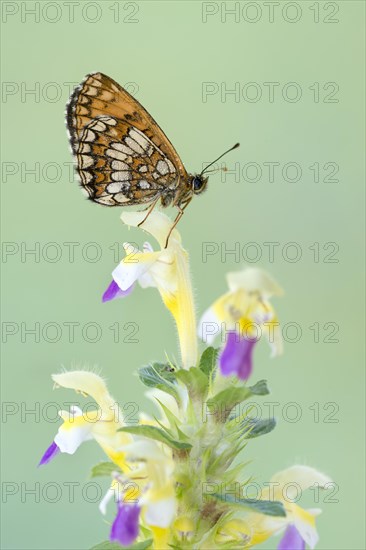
pixel 123 157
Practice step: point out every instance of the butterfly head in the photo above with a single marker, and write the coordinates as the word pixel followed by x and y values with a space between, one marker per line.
pixel 198 183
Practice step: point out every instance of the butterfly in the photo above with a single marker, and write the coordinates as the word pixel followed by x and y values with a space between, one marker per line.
pixel 123 157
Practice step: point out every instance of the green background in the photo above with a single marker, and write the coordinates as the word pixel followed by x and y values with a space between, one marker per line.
pixel 168 53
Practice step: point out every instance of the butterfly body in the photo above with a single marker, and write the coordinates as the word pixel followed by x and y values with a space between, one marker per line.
pixel 123 157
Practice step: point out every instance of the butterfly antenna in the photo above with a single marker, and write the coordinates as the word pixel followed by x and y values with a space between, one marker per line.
pixel 220 157
pixel 214 170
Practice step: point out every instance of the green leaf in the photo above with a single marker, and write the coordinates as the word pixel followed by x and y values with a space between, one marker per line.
pixel 260 388
pixel 255 428
pixel 169 432
pixel 223 402
pixel 152 432
pixel 104 469
pixel 107 545
pixel 161 376
pixel 196 382
pixel 208 361
pixel 182 436
pixel 267 507
pixel 172 419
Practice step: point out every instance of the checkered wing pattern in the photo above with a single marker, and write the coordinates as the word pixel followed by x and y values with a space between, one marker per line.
pixel 123 157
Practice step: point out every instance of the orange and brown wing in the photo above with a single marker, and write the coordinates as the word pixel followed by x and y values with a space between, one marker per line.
pixel 123 157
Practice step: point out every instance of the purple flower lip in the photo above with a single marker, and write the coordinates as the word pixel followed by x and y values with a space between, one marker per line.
pixel 291 540
pixel 125 528
pixel 52 451
pixel 236 357
pixel 113 291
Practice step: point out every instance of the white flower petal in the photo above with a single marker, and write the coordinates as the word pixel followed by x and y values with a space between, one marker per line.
pixel 69 437
pixel 209 326
pixel 130 270
pixel 307 531
pixel 144 277
pixel 130 248
pixel 146 281
pixel 105 500
pixel 160 513
pixel 273 334
pixel 147 247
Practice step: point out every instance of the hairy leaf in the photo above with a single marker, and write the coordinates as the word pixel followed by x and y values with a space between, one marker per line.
pixel 267 507
pixel 159 375
pixel 208 361
pixel 152 432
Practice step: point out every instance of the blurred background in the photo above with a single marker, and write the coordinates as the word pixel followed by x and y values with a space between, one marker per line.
pixel 286 79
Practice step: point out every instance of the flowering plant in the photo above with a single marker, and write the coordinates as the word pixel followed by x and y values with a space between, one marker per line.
pixel 178 480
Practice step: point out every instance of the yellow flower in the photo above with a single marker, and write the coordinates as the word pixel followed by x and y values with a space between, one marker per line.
pixel 299 524
pixel 100 424
pixel 167 270
pixel 235 530
pixel 243 314
pixel 184 527
pixel 151 485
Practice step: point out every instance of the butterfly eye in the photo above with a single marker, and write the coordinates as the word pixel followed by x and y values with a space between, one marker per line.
pixel 198 183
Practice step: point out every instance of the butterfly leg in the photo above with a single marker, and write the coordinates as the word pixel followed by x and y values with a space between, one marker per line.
pixel 151 208
pixel 179 215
